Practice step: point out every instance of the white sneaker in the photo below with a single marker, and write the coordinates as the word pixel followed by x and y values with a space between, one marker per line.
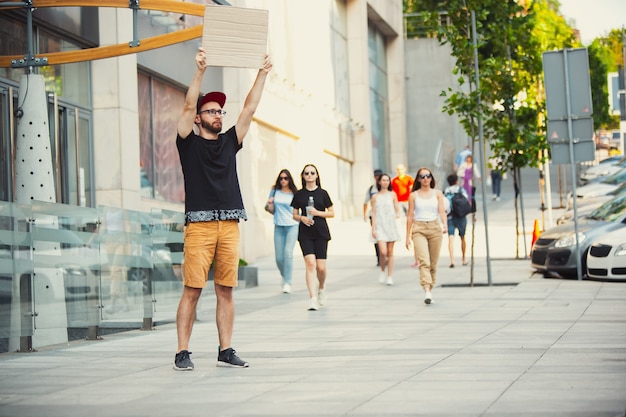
pixel 313 306
pixel 321 297
pixel 381 277
pixel 286 289
pixel 389 280
pixel 428 298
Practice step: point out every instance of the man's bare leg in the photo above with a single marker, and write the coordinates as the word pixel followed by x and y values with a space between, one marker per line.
pixel 185 315
pixel 224 315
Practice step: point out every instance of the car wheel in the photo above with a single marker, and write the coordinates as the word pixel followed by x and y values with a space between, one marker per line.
pixel 140 275
pixel 583 268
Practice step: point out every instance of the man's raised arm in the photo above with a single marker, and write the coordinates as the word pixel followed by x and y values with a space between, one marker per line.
pixel 188 116
pixel 252 100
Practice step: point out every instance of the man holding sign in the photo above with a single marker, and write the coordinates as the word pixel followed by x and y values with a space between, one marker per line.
pixel 213 207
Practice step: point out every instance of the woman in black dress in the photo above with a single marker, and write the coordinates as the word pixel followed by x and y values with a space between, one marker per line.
pixel 311 207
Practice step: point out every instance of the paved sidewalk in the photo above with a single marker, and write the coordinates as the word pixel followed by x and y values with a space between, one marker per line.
pixel 539 348
pixel 523 346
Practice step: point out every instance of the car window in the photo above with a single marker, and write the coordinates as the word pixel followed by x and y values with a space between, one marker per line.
pixel 619 190
pixel 611 210
pixel 618 178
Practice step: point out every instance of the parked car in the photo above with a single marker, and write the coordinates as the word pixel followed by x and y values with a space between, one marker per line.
pixel 599 188
pixel 586 206
pixel 611 159
pixel 606 259
pixel 602 170
pixel 616 140
pixel 155 266
pixel 555 249
pixel 603 142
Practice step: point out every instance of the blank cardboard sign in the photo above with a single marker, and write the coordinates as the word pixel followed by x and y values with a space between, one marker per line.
pixel 234 36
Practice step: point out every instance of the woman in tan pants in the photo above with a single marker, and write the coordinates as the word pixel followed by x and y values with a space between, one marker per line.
pixel 426 223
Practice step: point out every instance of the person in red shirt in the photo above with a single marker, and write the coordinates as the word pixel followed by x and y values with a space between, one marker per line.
pixel 401 185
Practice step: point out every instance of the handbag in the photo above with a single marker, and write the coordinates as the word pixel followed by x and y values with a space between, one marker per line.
pixel 269 206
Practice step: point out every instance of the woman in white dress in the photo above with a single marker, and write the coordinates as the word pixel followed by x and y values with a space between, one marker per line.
pixel 385 211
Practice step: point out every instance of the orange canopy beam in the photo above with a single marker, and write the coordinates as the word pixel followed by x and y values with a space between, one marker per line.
pixel 174 6
pixel 90 54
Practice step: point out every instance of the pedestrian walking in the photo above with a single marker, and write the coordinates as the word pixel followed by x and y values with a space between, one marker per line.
pixel 401 185
pixel 424 226
pixel 311 207
pixel 367 214
pixel 466 172
pixel 213 207
pixel 460 157
pixel 285 227
pixel 385 211
pixel 114 233
pixel 455 221
pixel 496 173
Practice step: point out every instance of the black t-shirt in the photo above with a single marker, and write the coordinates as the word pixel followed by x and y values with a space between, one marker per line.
pixel 321 201
pixel 210 171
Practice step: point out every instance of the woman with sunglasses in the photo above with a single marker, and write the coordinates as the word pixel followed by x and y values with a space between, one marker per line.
pixel 313 232
pixel 285 227
pixel 426 224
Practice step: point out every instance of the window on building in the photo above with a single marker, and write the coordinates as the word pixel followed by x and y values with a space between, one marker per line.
pixel 161 104
pixel 12 41
pixel 379 98
pixel 339 50
pixel 68 96
pixel 69 81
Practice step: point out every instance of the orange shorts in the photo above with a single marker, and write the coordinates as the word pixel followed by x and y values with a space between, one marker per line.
pixel 206 242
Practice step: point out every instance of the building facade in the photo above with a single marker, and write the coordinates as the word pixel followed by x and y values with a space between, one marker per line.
pixel 336 98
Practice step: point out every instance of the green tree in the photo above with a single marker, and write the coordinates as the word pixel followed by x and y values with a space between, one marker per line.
pixel 512 35
pixel 512 38
pixel 599 91
pixel 606 54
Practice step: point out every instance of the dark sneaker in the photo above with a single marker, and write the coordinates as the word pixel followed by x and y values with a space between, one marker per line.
pixel 228 358
pixel 182 361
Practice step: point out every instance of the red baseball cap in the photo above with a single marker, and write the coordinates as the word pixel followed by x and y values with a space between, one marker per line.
pixel 216 96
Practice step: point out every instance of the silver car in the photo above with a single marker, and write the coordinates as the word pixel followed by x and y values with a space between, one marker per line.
pixel 602 170
pixel 595 189
pixel 554 251
pixel 588 205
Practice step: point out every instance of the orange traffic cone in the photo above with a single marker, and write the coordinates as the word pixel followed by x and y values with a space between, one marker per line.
pixel 536 233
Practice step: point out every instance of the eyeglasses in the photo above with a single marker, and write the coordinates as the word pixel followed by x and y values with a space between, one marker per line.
pixel 425 176
pixel 283 178
pixel 309 172
pixel 214 112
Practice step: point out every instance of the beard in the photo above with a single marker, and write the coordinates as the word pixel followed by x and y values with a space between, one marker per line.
pixel 216 127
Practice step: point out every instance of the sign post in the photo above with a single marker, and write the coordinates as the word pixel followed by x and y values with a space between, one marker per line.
pixel 570 123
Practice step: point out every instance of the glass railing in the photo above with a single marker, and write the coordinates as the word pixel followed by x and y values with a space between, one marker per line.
pixel 16 277
pixel 70 272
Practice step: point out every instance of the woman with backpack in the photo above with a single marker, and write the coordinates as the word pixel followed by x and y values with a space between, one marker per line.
pixel 425 225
